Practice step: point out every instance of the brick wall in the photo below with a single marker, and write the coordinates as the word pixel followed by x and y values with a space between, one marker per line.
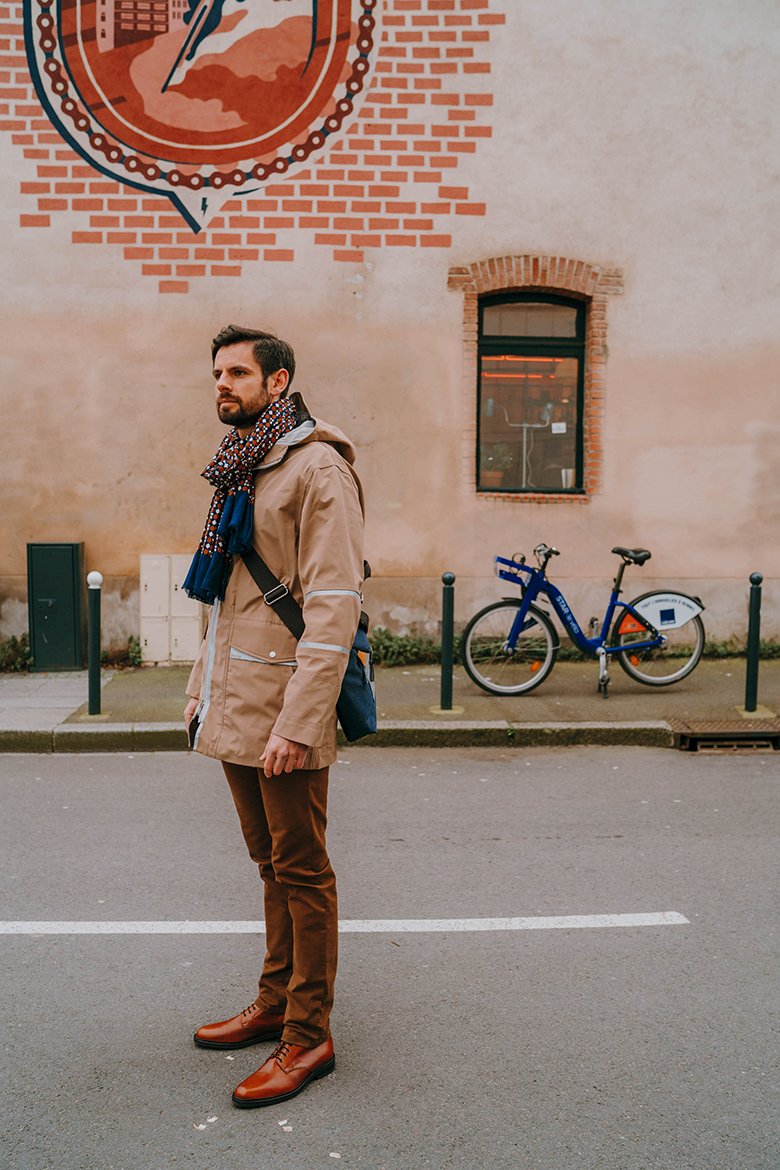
pixel 576 278
pixel 389 181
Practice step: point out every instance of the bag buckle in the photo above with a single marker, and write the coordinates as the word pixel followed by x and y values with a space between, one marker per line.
pixel 276 594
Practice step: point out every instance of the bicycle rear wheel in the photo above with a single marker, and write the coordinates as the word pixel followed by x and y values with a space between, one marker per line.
pixel 663 665
pixel 496 668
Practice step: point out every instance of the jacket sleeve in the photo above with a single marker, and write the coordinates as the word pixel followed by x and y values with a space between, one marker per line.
pixel 330 570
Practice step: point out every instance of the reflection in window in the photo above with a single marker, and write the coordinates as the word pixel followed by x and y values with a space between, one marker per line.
pixel 531 355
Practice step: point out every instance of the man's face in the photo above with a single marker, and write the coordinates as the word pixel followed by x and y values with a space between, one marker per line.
pixel 242 392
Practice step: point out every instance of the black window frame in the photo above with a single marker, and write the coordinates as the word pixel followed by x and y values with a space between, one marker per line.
pixel 566 347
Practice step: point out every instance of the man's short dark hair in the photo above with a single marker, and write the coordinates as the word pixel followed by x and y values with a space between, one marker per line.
pixel 271 353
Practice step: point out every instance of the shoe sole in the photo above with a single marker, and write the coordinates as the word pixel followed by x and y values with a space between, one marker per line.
pixel 237 1043
pixel 326 1068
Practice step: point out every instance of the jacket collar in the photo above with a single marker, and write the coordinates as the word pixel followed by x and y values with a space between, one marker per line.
pixel 291 439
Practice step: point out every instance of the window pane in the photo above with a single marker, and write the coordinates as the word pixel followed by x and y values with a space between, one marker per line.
pixel 528 423
pixel 529 319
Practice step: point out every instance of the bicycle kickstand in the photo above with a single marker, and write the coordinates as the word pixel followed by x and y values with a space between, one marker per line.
pixel 603 672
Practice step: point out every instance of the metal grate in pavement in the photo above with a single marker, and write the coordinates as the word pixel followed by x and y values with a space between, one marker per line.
pixel 696 735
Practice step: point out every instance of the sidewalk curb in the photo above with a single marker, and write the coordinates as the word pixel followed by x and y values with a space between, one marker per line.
pixel 167 737
pixel 501 733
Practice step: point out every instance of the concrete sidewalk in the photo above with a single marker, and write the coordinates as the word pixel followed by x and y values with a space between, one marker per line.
pixel 141 709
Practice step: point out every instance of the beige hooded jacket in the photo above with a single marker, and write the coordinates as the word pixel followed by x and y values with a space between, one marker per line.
pixel 252 677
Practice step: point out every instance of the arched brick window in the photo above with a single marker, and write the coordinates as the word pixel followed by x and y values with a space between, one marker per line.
pixel 534 375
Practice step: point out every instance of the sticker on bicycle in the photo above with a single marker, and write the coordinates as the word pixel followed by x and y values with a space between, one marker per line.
pixel 630 625
pixel 667 611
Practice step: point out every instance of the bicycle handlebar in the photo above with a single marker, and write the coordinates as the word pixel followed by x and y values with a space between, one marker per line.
pixel 543 552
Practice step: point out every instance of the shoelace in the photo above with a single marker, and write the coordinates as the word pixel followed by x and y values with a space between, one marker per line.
pixel 281 1051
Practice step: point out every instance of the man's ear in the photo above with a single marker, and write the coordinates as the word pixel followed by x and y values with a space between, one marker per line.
pixel 278 383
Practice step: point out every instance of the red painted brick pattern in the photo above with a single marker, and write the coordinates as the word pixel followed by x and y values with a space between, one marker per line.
pixel 589 282
pixel 387 183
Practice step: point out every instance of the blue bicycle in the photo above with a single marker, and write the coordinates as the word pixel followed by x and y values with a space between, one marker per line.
pixel 510 647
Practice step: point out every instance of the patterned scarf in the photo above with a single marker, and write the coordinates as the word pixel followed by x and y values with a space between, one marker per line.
pixel 230 522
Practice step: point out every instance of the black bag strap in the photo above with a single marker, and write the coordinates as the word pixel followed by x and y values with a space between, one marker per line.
pixel 275 594
pixel 279 597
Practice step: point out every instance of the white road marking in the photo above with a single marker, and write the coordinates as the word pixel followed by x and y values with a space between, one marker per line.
pixel 359 926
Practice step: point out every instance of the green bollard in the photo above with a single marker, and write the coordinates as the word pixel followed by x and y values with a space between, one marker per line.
pixel 94 581
pixel 447 638
pixel 753 642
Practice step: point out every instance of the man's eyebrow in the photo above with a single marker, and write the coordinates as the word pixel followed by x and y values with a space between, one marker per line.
pixel 230 366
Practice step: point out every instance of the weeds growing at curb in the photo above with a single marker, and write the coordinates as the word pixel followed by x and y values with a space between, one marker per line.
pixel 122 659
pixel 418 650
pixel 15 653
pixel 404 649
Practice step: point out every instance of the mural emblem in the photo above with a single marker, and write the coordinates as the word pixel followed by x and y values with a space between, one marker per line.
pixel 200 100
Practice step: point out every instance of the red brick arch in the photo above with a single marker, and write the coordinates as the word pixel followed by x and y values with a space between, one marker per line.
pixel 592 283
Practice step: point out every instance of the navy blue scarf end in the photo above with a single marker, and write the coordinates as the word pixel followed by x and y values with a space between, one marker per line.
pixel 209 572
pixel 207 577
pixel 236 525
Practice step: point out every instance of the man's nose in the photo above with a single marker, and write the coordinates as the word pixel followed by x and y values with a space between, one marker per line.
pixel 223 384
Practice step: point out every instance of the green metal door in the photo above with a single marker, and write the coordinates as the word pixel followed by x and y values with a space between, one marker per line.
pixel 56 598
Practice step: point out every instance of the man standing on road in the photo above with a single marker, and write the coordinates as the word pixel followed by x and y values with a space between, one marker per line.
pixel 264 704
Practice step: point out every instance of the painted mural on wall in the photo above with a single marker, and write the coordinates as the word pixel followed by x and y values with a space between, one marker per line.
pixel 391 177
pixel 200 100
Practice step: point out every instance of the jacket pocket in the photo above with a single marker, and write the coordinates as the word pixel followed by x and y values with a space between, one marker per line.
pixel 243 656
pixel 268 643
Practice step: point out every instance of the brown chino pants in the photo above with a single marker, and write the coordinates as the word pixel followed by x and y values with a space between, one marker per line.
pixel 283 820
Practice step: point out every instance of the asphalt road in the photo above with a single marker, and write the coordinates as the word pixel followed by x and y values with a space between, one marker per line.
pixel 592 1049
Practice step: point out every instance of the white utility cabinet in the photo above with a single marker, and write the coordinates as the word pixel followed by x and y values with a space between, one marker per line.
pixel 171 622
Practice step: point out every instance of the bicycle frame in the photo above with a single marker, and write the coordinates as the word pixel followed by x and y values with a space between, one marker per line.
pixel 537 584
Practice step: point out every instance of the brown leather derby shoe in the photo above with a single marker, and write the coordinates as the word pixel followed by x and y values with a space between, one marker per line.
pixel 251 1026
pixel 287 1071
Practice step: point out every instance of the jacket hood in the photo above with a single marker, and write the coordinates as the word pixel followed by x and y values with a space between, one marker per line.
pixel 309 430
pixel 325 432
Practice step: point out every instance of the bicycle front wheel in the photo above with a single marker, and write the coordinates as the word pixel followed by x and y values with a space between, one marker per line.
pixel 489 661
pixel 662 665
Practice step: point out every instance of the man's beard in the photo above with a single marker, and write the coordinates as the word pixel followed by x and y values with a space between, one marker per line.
pixel 240 417
pixel 245 416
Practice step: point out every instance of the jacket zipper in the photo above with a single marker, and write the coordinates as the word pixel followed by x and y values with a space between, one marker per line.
pixel 211 650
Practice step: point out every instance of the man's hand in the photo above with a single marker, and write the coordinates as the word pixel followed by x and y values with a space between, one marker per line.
pixel 189 711
pixel 282 755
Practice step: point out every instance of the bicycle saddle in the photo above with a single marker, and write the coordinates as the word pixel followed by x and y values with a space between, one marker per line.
pixel 635 556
